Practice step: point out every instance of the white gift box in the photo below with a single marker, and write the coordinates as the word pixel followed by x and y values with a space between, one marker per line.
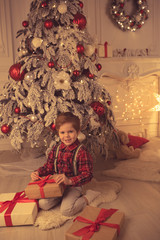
pixel 22 211
pixel 105 50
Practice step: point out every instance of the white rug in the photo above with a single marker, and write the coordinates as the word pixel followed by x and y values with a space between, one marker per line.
pixel 53 218
pixel 145 168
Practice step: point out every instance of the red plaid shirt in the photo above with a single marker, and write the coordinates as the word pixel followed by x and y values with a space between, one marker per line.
pixel 65 163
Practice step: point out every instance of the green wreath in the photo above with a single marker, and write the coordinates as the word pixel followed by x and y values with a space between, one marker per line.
pixel 126 22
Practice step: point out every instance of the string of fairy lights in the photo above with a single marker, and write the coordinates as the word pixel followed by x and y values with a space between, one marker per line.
pixel 135 103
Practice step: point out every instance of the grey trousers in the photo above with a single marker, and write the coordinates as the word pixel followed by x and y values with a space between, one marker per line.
pixel 71 203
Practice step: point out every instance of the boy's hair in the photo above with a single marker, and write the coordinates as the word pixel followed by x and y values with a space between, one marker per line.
pixel 67 117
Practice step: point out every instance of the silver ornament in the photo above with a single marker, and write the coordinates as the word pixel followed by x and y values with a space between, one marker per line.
pixel 29 76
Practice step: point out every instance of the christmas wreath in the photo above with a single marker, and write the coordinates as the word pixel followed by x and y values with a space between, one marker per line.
pixel 126 22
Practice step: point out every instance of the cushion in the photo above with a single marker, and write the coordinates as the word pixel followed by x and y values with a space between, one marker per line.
pixel 136 141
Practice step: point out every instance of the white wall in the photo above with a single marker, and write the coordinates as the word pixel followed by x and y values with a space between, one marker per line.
pixel 101 24
pixel 13 12
pixel 19 11
pixel 6 50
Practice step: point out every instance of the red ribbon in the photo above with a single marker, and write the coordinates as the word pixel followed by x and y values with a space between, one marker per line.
pixel 88 231
pixel 42 182
pixel 105 49
pixel 9 205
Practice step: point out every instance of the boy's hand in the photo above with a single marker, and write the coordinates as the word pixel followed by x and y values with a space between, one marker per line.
pixel 35 175
pixel 61 178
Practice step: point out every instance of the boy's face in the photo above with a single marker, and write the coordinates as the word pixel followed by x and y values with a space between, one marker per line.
pixel 67 134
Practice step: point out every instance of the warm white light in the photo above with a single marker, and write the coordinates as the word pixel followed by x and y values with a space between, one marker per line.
pixel 157 107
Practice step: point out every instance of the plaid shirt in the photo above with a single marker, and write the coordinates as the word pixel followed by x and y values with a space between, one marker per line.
pixel 65 163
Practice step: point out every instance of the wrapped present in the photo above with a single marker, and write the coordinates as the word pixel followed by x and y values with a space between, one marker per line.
pixel 96 223
pixel 105 50
pixel 46 187
pixel 16 209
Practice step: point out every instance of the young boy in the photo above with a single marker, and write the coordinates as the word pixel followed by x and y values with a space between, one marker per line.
pixel 73 200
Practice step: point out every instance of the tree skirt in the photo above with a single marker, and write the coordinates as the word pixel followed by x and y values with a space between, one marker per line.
pixel 145 168
pixel 53 218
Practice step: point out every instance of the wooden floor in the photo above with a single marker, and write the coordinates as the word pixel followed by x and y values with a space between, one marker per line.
pixel 140 201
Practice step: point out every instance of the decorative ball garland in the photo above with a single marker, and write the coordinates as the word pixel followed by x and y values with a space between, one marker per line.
pixel 126 22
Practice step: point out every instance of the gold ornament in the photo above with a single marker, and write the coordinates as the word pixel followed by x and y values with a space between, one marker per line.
pixel 33 118
pixel 62 8
pixel 36 42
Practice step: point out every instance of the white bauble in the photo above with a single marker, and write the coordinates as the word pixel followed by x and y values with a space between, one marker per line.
pixel 22 52
pixel 41 111
pixel 89 50
pixel 62 8
pixel 36 42
pixel 81 137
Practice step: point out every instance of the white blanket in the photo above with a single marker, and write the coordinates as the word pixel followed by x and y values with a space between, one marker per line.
pixel 145 168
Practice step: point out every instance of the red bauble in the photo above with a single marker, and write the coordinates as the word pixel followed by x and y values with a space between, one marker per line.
pixel 48 24
pixel 5 128
pixel 90 75
pixel 139 25
pixel 51 64
pixel 99 66
pixel 121 5
pixel 81 4
pixel 53 126
pixel 76 73
pixel 132 24
pixel 109 103
pixel 80 20
pixel 44 4
pixel 25 23
pixel 17 110
pixel 98 108
pixel 15 72
pixel 80 48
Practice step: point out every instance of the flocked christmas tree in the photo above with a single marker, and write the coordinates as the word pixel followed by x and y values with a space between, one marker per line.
pixel 55 71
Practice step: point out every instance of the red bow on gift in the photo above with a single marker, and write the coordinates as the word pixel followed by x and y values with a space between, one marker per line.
pixel 42 182
pixel 88 231
pixel 9 205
